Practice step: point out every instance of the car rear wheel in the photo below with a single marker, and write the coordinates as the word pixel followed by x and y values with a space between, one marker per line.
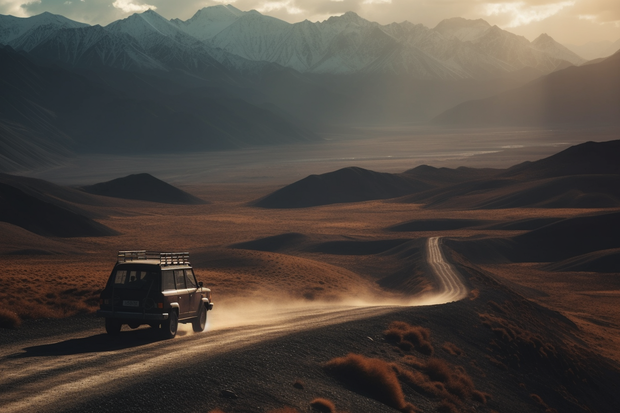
pixel 169 327
pixel 112 326
pixel 199 323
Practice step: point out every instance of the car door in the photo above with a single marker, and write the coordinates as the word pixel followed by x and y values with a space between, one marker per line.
pixel 194 297
pixel 182 293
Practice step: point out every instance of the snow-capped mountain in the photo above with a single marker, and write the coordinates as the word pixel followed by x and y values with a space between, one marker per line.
pixel 209 21
pixel 550 47
pixel 94 47
pixel 164 42
pixel 223 38
pixel 26 33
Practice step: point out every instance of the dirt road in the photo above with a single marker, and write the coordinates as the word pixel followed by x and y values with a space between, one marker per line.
pixel 452 286
pixel 56 372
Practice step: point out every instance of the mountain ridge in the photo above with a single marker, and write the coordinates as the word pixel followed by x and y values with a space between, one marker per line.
pixel 343 44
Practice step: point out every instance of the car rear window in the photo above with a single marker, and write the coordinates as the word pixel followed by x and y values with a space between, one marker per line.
pixel 135 278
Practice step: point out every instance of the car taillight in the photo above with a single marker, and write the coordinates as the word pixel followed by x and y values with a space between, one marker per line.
pixel 160 305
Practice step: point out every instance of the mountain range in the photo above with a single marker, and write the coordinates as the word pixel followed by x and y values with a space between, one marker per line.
pixel 223 37
pixel 227 79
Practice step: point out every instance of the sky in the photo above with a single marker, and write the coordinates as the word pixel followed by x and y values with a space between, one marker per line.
pixel 567 21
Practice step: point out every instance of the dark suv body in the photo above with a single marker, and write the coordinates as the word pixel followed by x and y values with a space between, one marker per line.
pixel 154 288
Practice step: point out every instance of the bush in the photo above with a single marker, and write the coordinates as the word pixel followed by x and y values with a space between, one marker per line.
pixel 9 319
pixel 406 336
pixel 372 377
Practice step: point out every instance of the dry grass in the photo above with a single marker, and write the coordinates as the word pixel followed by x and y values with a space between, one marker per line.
pixel 323 406
pixel 372 377
pixel 452 349
pixel 439 379
pixel 9 319
pixel 407 337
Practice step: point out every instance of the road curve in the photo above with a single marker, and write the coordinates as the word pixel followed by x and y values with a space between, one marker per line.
pixel 53 373
pixel 450 281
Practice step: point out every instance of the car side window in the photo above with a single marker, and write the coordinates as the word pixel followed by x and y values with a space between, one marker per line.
pixel 190 280
pixel 120 277
pixel 179 278
pixel 167 281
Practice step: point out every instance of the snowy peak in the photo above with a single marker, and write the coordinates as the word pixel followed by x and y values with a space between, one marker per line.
pixel 150 29
pixel 549 46
pixel 209 21
pixel 349 18
pixel 12 28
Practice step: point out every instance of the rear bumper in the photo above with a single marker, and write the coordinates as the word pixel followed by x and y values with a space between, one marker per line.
pixel 124 315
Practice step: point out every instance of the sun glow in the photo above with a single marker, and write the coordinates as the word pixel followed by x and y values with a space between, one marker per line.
pixel 522 14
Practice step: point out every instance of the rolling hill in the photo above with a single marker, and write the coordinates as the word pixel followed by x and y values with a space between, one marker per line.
pixel 345 185
pixel 143 187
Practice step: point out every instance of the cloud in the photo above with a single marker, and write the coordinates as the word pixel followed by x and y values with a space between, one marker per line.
pixel 129 7
pixel 520 13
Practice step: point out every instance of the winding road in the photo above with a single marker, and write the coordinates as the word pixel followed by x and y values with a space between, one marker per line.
pixel 451 282
pixel 53 373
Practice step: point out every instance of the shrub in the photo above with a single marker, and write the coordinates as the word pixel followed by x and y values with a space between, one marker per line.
pixel 451 349
pixel 372 377
pixel 323 406
pixel 407 336
pixel 9 319
pixel 447 407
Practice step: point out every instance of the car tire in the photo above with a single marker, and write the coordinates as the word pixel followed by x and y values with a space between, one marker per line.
pixel 112 326
pixel 169 327
pixel 200 322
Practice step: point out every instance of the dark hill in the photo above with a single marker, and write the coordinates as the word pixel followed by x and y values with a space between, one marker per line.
pixel 64 197
pixel 143 187
pixel 445 176
pixel 445 224
pixel 586 95
pixel 344 185
pixel 275 243
pixel 582 176
pixel 43 218
pixel 590 158
pixel 607 261
pixel 558 241
pixel 50 112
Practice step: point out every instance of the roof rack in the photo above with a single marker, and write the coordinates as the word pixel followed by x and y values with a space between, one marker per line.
pixel 165 258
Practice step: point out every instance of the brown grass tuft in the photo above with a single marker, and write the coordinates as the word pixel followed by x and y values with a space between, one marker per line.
pixel 9 319
pixel 452 349
pixel 323 406
pixel 406 337
pixel 372 377
pixel 447 407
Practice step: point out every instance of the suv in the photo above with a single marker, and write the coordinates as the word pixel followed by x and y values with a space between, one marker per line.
pixel 154 288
